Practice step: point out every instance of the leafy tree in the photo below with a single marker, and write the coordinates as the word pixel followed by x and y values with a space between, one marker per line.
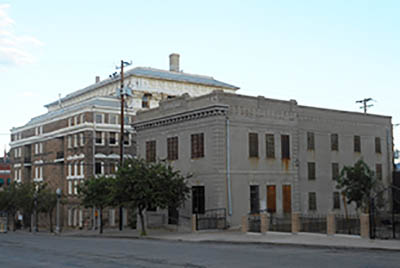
pixel 8 201
pixel 358 183
pixel 97 192
pixel 47 201
pixel 144 185
pixel 26 199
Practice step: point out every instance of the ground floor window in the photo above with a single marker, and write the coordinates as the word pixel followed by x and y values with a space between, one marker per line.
pixel 198 200
pixel 254 199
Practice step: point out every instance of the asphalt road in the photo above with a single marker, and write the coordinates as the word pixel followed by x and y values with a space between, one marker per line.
pixel 27 250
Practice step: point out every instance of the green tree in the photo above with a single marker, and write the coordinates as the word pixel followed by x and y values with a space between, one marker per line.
pixel 8 201
pixel 143 185
pixel 358 183
pixel 26 199
pixel 47 201
pixel 97 192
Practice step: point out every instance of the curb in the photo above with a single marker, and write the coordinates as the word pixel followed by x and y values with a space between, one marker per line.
pixel 259 243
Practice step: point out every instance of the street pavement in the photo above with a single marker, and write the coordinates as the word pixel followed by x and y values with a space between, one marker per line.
pixel 86 249
pixel 272 238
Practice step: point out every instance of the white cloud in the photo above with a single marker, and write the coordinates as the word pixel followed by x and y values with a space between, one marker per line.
pixel 14 49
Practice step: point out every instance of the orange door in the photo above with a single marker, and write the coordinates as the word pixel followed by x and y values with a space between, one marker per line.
pixel 271 198
pixel 287 198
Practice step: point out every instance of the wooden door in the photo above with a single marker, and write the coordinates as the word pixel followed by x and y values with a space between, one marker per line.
pixel 287 198
pixel 271 198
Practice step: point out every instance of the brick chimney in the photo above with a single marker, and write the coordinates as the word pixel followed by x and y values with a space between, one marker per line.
pixel 97 79
pixel 174 62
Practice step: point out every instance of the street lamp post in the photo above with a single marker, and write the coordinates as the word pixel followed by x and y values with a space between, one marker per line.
pixel 58 192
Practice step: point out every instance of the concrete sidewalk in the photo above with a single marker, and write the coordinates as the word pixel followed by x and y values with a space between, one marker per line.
pixel 269 238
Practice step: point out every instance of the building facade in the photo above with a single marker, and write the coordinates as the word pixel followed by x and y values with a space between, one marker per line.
pixel 247 154
pixel 79 136
pixel 5 171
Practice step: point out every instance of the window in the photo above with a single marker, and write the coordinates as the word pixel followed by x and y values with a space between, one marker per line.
pixel 76 120
pixel 336 200
pixel 270 145
pixel 311 171
pixel 82 169
pixel 334 142
pixel 75 187
pixel 312 201
pixel 197 145
pixel 127 139
pixel 75 140
pixel 99 168
pixel 69 141
pixel 150 151
pixel 76 170
pixel 70 122
pixel 254 199
pixel 253 145
pixel 114 167
pixel 357 144
pixel 99 118
pixel 36 148
pixel 69 187
pixel 378 149
pixel 82 119
pixel 198 200
pixel 82 139
pixel 335 171
pixel 172 148
pixel 271 198
pixel 113 119
pixel 113 138
pixel 127 119
pixel 285 146
pixel 146 100
pixel 99 138
pixel 69 169
pixel 40 148
pixel 378 168
pixel 310 141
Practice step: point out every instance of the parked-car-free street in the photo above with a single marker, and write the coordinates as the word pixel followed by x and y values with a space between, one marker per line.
pixel 43 250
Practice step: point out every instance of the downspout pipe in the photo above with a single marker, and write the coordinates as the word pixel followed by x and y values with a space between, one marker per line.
pixel 228 167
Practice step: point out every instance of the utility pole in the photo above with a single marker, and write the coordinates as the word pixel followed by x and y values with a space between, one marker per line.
pixel 365 104
pixel 121 144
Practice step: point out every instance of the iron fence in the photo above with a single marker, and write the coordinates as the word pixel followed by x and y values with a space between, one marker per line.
pixel 313 223
pixel 254 223
pixel 347 225
pixel 280 223
pixel 211 219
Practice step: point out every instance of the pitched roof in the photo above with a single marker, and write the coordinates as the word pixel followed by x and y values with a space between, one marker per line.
pixel 156 74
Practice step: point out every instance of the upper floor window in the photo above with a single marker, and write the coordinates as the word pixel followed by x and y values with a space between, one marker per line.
pixel 127 119
pixel 82 138
pixel 82 118
pixel 75 120
pixel 99 118
pixel 357 144
pixel 146 100
pixel 334 142
pixel 253 145
pixel 311 171
pixel 99 138
pixel 335 171
pixel 69 141
pixel 151 151
pixel 197 145
pixel 312 201
pixel 378 148
pixel 127 139
pixel 99 168
pixel 113 119
pixel 39 130
pixel 285 146
pixel 113 138
pixel 172 148
pixel 310 141
pixel 270 145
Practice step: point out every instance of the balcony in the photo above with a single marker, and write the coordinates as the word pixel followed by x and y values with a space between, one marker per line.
pixel 27 161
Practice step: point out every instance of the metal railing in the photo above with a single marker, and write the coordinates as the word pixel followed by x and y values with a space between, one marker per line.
pixel 313 223
pixel 211 219
pixel 254 223
pixel 280 223
pixel 347 225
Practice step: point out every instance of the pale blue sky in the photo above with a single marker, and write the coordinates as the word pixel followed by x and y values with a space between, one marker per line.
pixel 321 53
